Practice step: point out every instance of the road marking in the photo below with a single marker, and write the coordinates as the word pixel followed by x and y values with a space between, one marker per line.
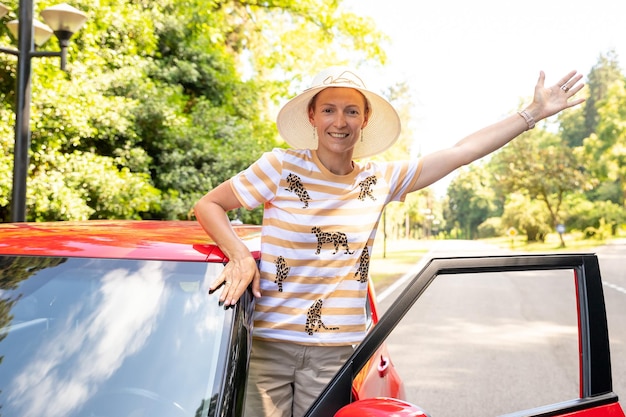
pixel 615 287
pixel 404 278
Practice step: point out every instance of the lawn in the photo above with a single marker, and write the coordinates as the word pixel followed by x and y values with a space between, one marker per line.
pixel 574 242
pixel 394 258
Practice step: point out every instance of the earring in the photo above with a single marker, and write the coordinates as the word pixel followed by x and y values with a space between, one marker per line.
pixel 315 138
pixel 361 135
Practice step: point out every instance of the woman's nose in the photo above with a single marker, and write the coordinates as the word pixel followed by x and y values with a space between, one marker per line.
pixel 340 120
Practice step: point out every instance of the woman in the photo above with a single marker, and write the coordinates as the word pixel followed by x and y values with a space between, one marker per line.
pixel 321 212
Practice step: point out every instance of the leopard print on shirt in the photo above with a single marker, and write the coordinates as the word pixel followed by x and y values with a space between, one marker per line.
pixel 336 238
pixel 282 271
pixel 296 187
pixel 364 266
pixel 366 188
pixel 314 318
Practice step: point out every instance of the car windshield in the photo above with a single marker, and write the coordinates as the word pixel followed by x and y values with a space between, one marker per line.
pixel 103 337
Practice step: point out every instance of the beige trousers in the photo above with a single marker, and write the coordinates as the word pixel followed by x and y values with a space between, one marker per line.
pixel 284 379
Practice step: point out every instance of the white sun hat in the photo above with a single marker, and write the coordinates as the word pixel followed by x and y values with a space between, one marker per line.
pixel 382 129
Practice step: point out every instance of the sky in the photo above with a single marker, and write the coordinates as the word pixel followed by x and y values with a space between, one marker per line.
pixel 471 63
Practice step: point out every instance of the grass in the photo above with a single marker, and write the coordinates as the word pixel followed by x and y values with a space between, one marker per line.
pixel 574 242
pixel 394 258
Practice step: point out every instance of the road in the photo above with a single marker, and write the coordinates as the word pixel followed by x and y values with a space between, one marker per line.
pixel 491 344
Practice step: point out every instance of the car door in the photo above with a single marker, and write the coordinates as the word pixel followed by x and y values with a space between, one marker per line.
pixel 592 381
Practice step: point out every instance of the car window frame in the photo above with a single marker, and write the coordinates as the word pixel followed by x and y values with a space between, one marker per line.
pixel 595 363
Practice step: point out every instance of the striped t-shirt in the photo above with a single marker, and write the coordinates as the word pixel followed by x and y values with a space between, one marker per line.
pixel 316 242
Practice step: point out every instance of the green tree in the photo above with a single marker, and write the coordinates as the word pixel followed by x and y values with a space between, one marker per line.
pixel 164 99
pixel 539 165
pixel 601 77
pixel 604 151
pixel 577 124
pixel 593 217
pixel 471 200
pixel 527 215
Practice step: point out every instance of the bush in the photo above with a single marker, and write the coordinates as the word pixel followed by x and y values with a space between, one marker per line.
pixel 598 217
pixel 492 227
pixel 528 216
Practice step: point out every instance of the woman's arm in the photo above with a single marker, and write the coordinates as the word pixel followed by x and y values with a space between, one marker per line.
pixel 546 102
pixel 241 268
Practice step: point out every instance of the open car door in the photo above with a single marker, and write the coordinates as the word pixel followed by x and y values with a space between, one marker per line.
pixel 595 395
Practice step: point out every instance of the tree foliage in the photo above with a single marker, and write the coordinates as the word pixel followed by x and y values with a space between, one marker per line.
pixel 471 200
pixel 604 151
pixel 594 218
pixel 541 166
pixel 601 77
pixel 165 99
pixel 529 216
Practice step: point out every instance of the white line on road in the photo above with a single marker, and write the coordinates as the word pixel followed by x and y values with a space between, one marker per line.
pixel 615 287
pixel 404 278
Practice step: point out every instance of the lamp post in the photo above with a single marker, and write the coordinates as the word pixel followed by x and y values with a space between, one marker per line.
pixel 63 21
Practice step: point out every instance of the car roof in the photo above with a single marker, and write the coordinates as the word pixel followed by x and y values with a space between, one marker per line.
pixel 122 239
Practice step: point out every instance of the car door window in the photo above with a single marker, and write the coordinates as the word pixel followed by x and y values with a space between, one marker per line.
pixel 490 343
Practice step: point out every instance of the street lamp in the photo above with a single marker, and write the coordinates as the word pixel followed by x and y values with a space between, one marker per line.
pixel 42 31
pixel 63 20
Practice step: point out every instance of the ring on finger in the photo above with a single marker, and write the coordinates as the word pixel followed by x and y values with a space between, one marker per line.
pixel 226 282
pixel 565 88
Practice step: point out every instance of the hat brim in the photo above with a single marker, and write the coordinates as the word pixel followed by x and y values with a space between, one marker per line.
pixel 382 130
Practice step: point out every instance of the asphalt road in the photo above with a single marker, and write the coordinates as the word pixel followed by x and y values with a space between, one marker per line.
pixel 491 344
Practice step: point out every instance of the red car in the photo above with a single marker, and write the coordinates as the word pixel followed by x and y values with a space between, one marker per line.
pixel 113 318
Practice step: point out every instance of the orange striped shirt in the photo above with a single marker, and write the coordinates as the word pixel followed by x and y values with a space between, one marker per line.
pixel 316 242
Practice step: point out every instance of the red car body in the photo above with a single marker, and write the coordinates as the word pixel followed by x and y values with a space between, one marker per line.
pixel 179 241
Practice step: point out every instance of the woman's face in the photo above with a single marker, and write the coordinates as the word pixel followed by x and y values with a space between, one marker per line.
pixel 338 114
